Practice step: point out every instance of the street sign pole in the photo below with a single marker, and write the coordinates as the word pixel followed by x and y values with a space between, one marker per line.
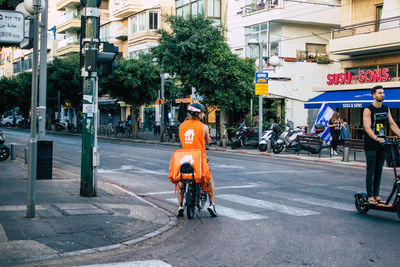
pixel 260 97
pixel 90 46
pixel 31 194
pixel 43 74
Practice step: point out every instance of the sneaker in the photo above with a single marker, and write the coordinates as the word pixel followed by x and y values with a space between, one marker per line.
pixel 180 211
pixel 211 210
pixel 334 153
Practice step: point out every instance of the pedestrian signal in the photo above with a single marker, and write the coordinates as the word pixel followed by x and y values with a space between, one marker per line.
pixel 160 101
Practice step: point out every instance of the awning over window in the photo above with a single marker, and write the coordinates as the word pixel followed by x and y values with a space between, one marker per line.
pixel 353 99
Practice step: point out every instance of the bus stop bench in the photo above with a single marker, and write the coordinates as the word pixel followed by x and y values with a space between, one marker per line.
pixel 312 144
pixel 355 145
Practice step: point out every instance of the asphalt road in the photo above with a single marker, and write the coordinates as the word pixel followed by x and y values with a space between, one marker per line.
pixel 271 211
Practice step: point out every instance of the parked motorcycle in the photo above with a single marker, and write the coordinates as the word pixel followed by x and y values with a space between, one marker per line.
pixel 288 139
pixel 245 137
pixel 4 150
pixel 269 135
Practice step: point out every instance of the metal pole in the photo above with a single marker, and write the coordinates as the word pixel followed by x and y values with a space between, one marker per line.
pixel 162 127
pixel 260 97
pixel 43 74
pixel 31 194
pixel 90 46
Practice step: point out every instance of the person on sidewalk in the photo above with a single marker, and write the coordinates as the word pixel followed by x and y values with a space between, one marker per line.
pixel 193 134
pixel 375 118
pixel 334 127
pixel 110 123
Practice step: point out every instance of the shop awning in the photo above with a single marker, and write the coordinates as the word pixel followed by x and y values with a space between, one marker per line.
pixel 353 99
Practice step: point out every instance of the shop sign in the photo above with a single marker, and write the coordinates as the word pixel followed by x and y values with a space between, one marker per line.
pixel 368 76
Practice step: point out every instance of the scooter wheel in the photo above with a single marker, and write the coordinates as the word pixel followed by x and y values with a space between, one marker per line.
pixel 235 144
pixel 360 203
pixel 262 147
pixel 277 148
pixel 4 153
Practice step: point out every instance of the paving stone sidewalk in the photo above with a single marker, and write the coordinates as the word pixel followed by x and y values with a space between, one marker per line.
pixel 66 223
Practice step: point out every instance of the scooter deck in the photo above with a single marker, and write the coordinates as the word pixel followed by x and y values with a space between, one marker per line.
pixel 379 205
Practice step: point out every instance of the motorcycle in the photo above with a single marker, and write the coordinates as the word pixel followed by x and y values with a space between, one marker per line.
pixel 4 150
pixel 245 137
pixel 269 135
pixel 288 139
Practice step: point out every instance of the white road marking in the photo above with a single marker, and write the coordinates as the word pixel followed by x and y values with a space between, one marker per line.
pixel 231 213
pixel 227 166
pixel 362 188
pixel 106 171
pixel 132 169
pixel 148 263
pixel 281 171
pixel 18 208
pixel 217 188
pixel 311 200
pixel 295 211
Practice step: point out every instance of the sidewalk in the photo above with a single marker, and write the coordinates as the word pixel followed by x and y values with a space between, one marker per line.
pixel 66 223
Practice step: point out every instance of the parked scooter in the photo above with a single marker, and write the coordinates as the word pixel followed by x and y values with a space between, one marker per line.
pixel 271 135
pixel 4 150
pixel 288 139
pixel 245 137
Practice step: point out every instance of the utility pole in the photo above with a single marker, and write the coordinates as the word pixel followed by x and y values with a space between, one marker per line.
pixel 162 124
pixel 43 74
pixel 90 29
pixel 31 194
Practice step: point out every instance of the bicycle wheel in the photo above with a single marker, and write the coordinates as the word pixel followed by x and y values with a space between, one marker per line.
pixel 190 201
pixel 202 198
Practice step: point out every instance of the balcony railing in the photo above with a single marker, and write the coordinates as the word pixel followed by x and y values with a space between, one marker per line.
pixel 67 42
pixel 261 5
pixel 366 27
pixel 67 17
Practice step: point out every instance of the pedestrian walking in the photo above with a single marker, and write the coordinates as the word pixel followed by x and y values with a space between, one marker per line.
pixel 110 123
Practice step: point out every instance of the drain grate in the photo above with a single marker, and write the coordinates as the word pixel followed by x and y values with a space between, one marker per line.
pixel 71 209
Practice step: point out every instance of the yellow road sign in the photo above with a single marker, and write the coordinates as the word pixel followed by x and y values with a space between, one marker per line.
pixel 261 89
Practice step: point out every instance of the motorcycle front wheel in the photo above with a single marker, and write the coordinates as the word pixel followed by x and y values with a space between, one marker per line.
pixel 4 153
pixel 277 148
pixel 235 144
pixel 262 147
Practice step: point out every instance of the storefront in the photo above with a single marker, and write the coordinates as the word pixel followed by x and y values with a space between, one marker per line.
pixel 349 93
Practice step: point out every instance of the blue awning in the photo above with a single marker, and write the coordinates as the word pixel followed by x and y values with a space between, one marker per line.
pixel 353 99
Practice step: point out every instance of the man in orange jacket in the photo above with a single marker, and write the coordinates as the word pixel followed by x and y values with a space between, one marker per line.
pixel 195 135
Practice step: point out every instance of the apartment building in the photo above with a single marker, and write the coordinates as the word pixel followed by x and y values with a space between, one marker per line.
pixel 298 32
pixel 368 47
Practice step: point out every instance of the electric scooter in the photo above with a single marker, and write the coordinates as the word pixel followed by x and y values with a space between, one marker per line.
pixel 4 150
pixel 361 199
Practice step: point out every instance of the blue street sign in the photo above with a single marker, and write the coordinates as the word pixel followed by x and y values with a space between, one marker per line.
pixel 261 77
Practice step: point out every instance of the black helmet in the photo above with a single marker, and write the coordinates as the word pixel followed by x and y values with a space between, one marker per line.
pixel 196 108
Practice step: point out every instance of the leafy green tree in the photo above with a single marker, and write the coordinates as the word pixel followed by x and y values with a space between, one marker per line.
pixel 135 81
pixel 198 54
pixel 63 75
pixel 15 92
pixel 9 4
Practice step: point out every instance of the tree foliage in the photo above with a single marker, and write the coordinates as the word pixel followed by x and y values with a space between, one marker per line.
pixel 198 54
pixel 63 75
pixel 135 81
pixel 15 92
pixel 9 4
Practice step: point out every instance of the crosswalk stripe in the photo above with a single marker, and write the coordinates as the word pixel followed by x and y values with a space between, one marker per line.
pixel 282 171
pixel 311 200
pixel 217 188
pixel 295 211
pixel 233 213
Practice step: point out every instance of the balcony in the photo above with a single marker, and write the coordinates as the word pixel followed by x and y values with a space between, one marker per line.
pixel 67 46
pixel 62 4
pixel 69 22
pixel 366 38
pixel 124 9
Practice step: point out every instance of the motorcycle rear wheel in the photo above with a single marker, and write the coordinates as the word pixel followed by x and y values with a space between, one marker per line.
pixel 4 153
pixel 235 144
pixel 277 148
pixel 262 147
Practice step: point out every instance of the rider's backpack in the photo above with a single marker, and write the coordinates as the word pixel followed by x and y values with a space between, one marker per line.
pixel 180 156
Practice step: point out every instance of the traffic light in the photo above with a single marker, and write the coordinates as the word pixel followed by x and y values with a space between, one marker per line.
pixel 106 58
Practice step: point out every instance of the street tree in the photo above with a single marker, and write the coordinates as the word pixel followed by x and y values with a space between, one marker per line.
pixel 134 81
pixel 9 4
pixel 196 51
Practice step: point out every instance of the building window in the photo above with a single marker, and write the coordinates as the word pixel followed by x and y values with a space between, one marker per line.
pixel 2 57
pixel 260 32
pixel 315 50
pixel 133 25
pixel 105 33
pixel 194 7
pixel 214 8
pixel 379 9
pixel 153 20
pixel 392 70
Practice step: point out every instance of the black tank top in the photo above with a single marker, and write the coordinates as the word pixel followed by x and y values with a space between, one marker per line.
pixel 379 117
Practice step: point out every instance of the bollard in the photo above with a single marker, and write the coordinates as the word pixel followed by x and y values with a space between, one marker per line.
pixel 12 151
pixel 269 146
pixel 26 155
pixel 173 137
pixel 224 143
pixel 346 154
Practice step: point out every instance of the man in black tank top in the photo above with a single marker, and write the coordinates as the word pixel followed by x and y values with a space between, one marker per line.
pixel 375 118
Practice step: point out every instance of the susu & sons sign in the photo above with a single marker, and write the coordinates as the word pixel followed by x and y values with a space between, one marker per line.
pixel 368 76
